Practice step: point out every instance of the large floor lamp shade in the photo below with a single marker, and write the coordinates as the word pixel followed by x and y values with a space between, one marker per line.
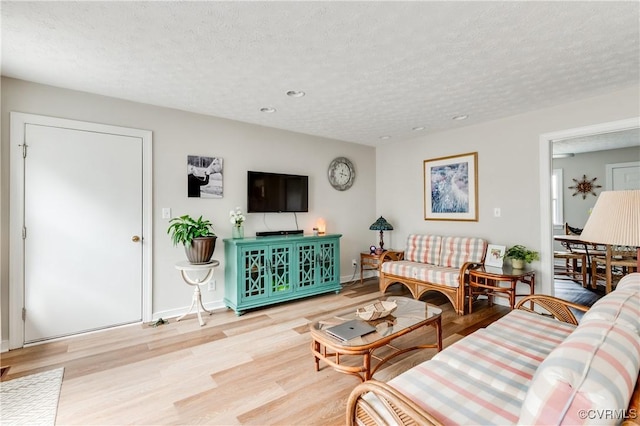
pixel 381 225
pixel 615 220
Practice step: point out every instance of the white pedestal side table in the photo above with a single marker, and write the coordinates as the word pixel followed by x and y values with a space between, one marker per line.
pixel 185 267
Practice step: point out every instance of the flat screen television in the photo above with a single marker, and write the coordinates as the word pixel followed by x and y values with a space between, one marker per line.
pixel 277 192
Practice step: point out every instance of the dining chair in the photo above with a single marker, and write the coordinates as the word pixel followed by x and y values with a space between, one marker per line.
pixel 572 265
pixel 617 262
pixel 573 262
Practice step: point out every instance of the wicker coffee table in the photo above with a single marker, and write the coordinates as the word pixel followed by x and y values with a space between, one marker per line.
pixel 409 316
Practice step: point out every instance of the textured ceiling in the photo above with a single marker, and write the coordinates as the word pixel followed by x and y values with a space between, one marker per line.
pixel 599 142
pixel 369 69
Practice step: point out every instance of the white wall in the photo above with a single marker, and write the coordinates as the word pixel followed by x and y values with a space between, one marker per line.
pixel 593 165
pixel 508 170
pixel 508 167
pixel 243 147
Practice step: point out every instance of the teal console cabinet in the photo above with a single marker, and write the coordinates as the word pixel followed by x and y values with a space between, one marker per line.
pixel 262 271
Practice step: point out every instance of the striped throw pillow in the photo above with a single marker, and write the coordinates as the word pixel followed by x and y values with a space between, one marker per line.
pixel 456 251
pixel 423 248
pixel 594 370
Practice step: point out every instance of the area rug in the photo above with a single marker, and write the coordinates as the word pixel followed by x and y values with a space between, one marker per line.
pixel 31 400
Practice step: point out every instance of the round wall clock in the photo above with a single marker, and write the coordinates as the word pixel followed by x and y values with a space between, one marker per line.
pixel 341 173
pixel 585 186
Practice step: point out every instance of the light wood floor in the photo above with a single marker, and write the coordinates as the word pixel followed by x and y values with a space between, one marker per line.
pixel 256 369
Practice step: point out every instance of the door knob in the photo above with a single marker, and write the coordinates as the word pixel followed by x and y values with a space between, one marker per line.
pixel 135 238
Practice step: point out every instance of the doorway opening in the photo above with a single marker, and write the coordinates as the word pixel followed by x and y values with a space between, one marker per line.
pixel 566 146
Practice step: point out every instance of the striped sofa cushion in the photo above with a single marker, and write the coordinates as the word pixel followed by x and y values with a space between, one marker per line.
pixel 458 250
pixel 401 268
pixel 455 398
pixel 630 282
pixel 595 368
pixel 423 272
pixel 495 361
pixel 621 306
pixel 523 327
pixel 484 378
pixel 437 275
pixel 506 354
pixel 423 248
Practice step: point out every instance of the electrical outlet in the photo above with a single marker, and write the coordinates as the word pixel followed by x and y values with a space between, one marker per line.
pixel 212 285
pixel 354 262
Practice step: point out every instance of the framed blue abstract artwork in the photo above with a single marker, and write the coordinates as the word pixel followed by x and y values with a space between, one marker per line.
pixel 451 188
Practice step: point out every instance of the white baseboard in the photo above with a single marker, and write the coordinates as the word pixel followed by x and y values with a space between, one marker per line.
pixel 219 304
pixel 171 313
pixel 501 301
pixel 356 277
pixel 210 306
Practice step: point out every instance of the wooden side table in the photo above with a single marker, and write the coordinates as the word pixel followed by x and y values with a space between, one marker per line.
pixel 185 267
pixel 371 261
pixel 487 280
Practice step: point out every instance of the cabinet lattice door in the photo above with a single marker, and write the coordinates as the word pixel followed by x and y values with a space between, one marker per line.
pixel 280 269
pixel 254 277
pixel 329 270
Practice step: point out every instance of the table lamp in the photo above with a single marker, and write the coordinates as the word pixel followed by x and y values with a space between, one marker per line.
pixel 381 225
pixel 615 220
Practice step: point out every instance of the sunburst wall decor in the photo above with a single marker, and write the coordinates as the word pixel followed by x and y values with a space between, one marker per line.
pixel 585 186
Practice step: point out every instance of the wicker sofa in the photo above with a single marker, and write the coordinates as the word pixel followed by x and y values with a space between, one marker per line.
pixel 526 368
pixel 434 262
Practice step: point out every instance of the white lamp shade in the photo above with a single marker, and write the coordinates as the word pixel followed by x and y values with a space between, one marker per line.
pixel 615 219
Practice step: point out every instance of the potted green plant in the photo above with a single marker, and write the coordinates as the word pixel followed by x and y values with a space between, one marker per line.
pixel 196 235
pixel 520 255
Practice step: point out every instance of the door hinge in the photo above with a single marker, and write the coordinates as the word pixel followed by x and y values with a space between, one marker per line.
pixel 24 232
pixel 24 150
pixel 24 314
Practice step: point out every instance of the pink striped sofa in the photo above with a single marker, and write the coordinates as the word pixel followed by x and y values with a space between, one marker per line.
pixel 433 262
pixel 525 368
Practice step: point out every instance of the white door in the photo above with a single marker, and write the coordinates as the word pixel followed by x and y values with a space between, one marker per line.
pixel 623 176
pixel 82 213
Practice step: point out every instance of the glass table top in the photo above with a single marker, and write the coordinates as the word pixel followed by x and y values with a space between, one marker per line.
pixel 409 314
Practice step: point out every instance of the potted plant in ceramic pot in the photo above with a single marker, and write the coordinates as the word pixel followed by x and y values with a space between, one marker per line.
pixel 520 255
pixel 196 235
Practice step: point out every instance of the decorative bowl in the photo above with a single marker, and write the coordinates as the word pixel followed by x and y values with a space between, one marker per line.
pixel 379 309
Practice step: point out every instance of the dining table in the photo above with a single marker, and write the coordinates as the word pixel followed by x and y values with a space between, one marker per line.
pixel 575 243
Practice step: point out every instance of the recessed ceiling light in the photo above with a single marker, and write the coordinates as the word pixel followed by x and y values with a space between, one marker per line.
pixel 461 117
pixel 418 128
pixel 385 137
pixel 295 93
pixel 268 110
